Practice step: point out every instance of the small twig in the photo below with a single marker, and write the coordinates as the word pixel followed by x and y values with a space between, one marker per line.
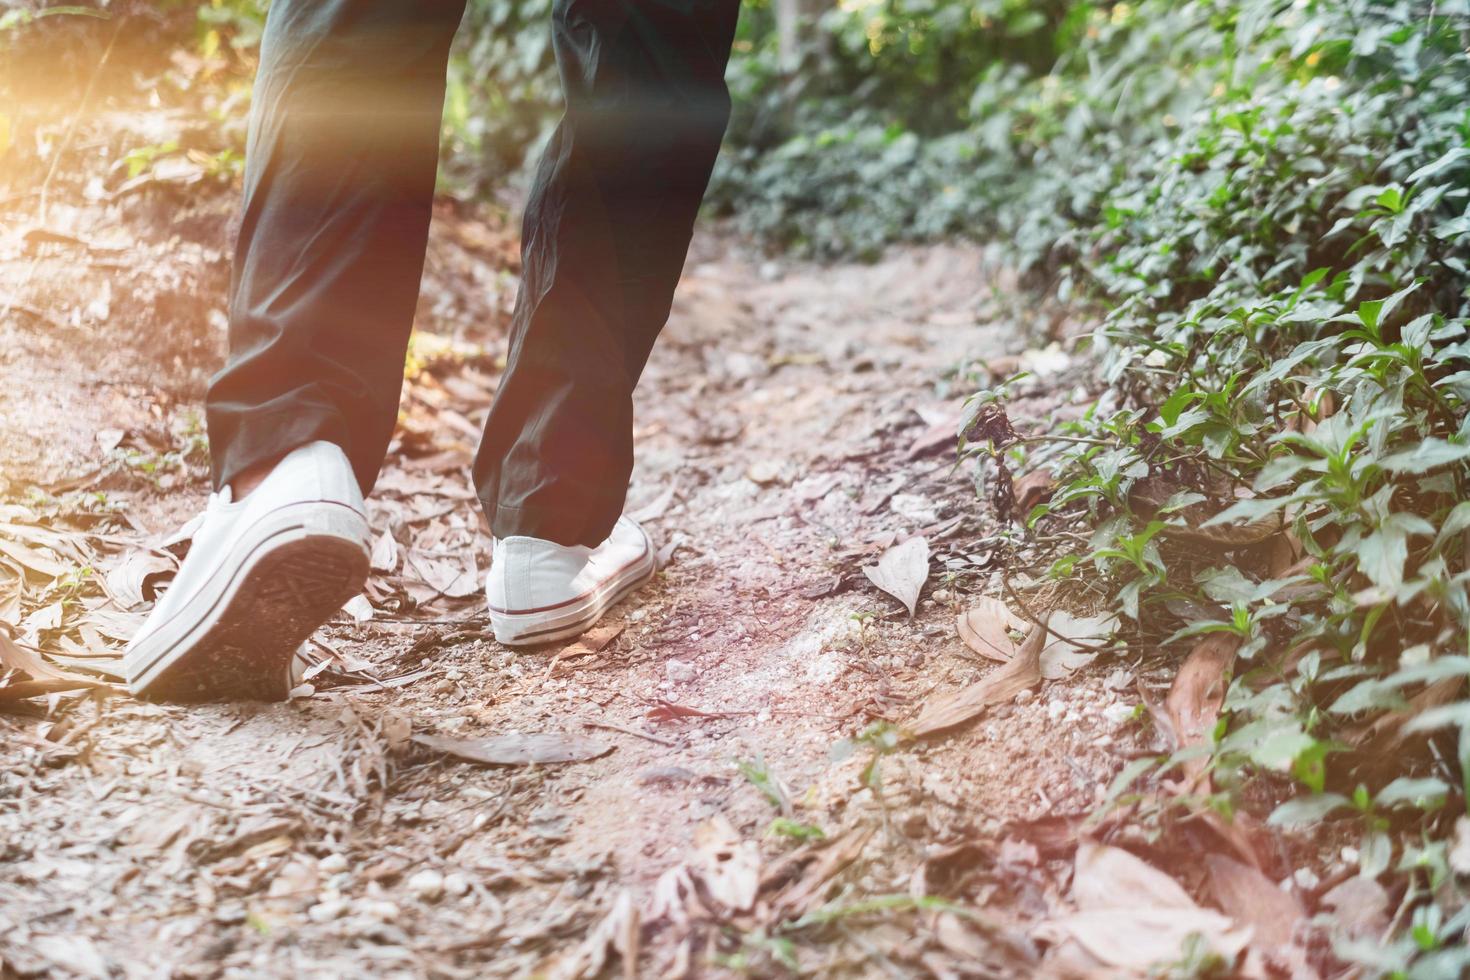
pixel 656 739
pixel 1026 611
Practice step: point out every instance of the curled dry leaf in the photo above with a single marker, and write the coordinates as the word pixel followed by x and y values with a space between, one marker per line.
pixel 1132 916
pixel 1197 693
pixel 1005 682
pixel 128 580
pixel 729 867
pixel 902 571
pixel 808 890
pixel 385 553
pixel 655 508
pixel 985 628
pixel 618 931
pixel 518 750
pixel 1252 899
pixel 1072 642
pixel 44 677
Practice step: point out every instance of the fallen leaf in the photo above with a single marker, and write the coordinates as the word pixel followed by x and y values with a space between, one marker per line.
pixel 1360 906
pixel 1032 489
pixel 902 571
pixel 385 553
pixel 447 578
pixel 654 509
pixel 1131 915
pixel 1252 899
pixel 45 678
pixel 32 558
pixel 1066 649
pixel 127 583
pixel 985 628
pixel 359 608
pixel 1005 682
pixel 618 931
pixel 72 954
pixel 587 644
pixel 729 866
pixel 518 750
pixel 811 887
pixel 1197 693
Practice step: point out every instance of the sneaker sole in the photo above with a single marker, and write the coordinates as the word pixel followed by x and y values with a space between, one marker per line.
pixel 301 565
pixel 534 629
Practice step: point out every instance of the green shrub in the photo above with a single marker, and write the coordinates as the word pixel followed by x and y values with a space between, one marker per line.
pixel 1285 271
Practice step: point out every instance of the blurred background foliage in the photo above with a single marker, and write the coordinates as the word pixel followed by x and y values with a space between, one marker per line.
pixel 1265 204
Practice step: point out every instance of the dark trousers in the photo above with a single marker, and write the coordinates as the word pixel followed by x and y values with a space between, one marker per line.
pixel 339 181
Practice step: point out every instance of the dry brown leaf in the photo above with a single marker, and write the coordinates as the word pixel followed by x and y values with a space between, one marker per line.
pixel 729 866
pixel 1383 742
pixel 902 571
pixel 33 558
pixel 1073 642
pixel 1002 684
pixel 45 678
pixel 385 553
pixel 518 750
pixel 1360 906
pixel 1033 489
pixel 985 628
pixel 808 890
pixel 1109 877
pixel 1197 693
pixel 617 931
pixel 1130 915
pixel 1252 899
pixel 128 580
pixel 655 508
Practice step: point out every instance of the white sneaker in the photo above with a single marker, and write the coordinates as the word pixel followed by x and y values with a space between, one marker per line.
pixel 540 591
pixel 261 575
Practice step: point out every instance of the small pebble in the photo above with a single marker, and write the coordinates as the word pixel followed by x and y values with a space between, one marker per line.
pixel 377 909
pixel 942 595
pixel 680 672
pixel 1116 714
pixel 456 884
pixel 1025 696
pixel 426 885
pixel 332 908
pixel 332 864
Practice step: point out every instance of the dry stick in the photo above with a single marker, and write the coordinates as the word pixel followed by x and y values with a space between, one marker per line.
pixel 632 731
pixel 1026 611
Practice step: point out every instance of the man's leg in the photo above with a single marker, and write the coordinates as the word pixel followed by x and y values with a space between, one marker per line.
pixel 339 183
pixel 605 236
pixel 342 157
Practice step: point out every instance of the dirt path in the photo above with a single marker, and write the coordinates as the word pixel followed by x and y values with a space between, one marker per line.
pixel 791 427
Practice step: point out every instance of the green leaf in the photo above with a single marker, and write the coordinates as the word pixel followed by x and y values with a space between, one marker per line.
pixel 1427 455
pixel 1381 556
pixel 1422 793
pixel 1439 166
pixel 1306 809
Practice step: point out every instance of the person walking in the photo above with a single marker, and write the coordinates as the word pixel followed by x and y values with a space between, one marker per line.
pixel 340 171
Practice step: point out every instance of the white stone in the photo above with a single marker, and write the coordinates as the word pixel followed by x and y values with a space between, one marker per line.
pixel 332 864
pixel 456 884
pixel 426 885
pixel 326 911
pixel 680 671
